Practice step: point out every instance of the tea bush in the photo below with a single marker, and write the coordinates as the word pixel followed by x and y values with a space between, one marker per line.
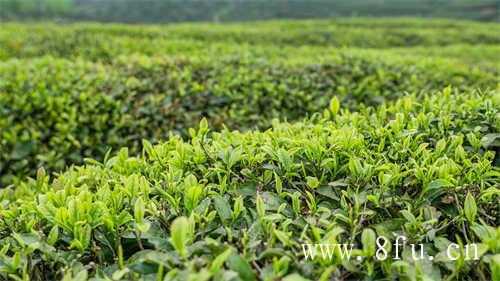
pixel 166 153
pixel 466 43
pixel 56 112
pixel 352 32
pixel 237 205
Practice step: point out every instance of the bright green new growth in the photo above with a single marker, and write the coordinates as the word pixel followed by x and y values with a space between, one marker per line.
pixel 57 112
pixel 240 204
pixel 214 151
pixel 107 86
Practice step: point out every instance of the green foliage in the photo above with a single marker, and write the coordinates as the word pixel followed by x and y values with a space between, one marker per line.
pixel 388 170
pixel 179 233
pixel 56 112
pixel 450 38
pixel 165 152
pixel 470 208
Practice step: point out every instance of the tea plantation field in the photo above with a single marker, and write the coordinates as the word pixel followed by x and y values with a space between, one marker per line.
pixel 216 151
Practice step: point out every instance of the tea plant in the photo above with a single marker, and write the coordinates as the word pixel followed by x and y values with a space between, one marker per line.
pixel 55 112
pixel 165 153
pixel 100 42
pixel 235 205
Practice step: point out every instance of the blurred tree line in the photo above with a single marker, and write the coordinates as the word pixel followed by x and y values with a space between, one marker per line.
pixel 160 11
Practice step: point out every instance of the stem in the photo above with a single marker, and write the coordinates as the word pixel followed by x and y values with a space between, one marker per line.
pixel 138 238
pixel 160 272
pixel 120 254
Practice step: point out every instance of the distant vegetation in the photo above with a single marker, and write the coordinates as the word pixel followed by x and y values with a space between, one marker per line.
pixel 163 11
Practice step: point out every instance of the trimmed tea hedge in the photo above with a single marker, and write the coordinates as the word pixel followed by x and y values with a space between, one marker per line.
pixel 352 32
pixel 213 183
pixel 55 112
pixel 237 205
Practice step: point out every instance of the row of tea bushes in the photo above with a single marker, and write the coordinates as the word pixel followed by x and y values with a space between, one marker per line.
pixel 55 112
pixel 483 56
pixel 237 205
pixel 105 48
pixel 399 32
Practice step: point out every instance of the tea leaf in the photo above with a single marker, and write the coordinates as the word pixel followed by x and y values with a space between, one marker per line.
pixel 179 235
pixel 470 208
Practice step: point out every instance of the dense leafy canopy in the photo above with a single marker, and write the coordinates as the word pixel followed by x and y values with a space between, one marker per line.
pixel 56 112
pixel 185 207
pixel 231 145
